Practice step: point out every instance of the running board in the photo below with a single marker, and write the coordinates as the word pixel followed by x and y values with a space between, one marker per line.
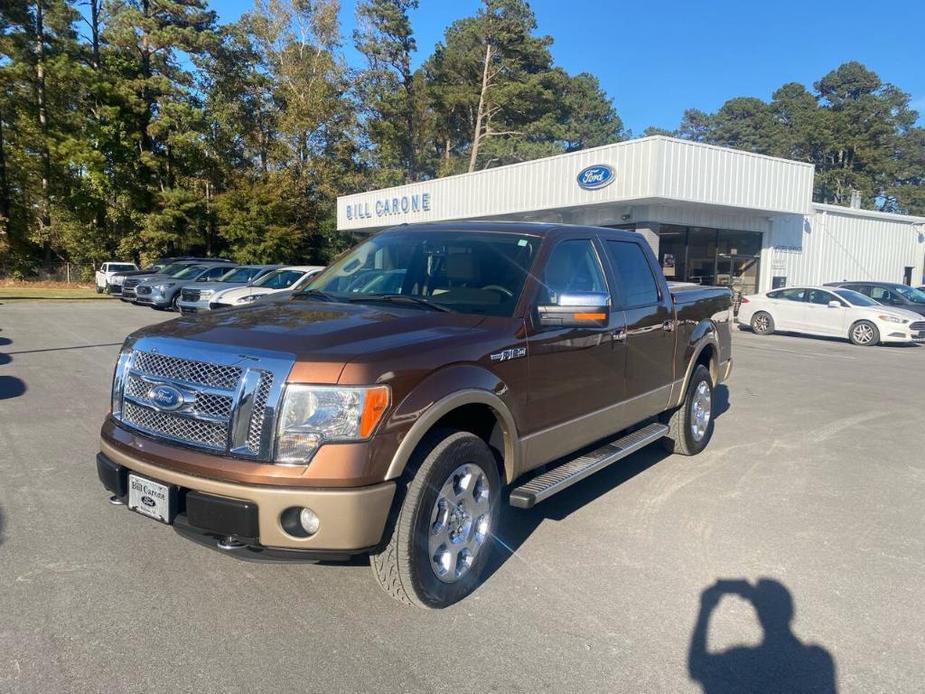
pixel 568 473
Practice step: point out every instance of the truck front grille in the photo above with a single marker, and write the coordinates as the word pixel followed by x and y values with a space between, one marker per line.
pixel 190 295
pixel 220 407
pixel 197 372
pixel 183 429
pixel 142 291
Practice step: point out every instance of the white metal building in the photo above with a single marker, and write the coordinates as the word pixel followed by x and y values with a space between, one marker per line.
pixel 713 215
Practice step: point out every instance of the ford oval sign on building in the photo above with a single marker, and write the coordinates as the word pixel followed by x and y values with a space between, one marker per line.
pixel 597 176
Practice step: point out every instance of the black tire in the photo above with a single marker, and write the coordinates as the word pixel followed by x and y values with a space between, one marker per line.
pixel 107 289
pixel 403 568
pixel 680 437
pixel 864 334
pixel 762 323
pixel 174 303
pixel 99 289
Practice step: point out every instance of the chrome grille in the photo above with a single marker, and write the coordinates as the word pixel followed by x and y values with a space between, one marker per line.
pixel 188 370
pixel 917 325
pixel 185 429
pixel 226 401
pixel 142 291
pixel 255 430
pixel 190 294
pixel 208 404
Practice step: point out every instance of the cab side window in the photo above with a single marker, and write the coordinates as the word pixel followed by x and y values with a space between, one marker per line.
pixel 637 284
pixel 213 274
pixel 572 267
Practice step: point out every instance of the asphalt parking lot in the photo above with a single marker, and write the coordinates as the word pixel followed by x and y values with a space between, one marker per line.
pixel 814 481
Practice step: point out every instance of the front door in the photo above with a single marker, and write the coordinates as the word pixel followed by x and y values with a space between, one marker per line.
pixel 819 318
pixel 650 339
pixel 576 373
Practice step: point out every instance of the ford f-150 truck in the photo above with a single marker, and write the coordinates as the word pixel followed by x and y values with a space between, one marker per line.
pixel 343 419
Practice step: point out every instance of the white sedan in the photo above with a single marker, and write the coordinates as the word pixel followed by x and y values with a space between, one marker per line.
pixel 830 312
pixel 291 277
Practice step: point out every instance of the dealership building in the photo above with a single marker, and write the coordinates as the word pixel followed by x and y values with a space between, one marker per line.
pixel 712 215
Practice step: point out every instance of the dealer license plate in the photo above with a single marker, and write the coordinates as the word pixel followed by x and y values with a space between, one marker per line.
pixel 149 498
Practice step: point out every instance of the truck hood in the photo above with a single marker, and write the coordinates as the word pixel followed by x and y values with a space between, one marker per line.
pixel 322 331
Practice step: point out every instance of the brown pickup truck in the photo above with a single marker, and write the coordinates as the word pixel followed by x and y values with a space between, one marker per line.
pixel 385 408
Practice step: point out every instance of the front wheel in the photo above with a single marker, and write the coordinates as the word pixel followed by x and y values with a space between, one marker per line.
pixel 441 542
pixel 690 427
pixel 864 334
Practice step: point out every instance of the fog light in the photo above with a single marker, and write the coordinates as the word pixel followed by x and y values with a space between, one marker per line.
pixel 309 521
pixel 300 521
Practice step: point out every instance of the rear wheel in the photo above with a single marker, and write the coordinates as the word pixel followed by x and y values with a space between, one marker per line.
pixel 762 323
pixel 441 542
pixel 99 289
pixel 864 334
pixel 690 427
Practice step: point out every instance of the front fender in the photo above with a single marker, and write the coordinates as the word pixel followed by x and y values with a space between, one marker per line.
pixel 439 394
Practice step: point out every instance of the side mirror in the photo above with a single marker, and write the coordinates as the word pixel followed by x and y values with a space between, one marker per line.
pixel 576 310
pixel 835 304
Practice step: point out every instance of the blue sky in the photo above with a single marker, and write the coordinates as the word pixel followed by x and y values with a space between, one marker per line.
pixel 656 59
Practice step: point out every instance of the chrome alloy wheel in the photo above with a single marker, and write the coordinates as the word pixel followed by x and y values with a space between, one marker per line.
pixel 862 333
pixel 762 322
pixel 701 411
pixel 459 522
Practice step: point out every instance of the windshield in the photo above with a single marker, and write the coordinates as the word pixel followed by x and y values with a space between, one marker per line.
pixel 279 279
pixel 241 275
pixel 125 267
pixel 469 272
pixel 189 272
pixel 856 298
pixel 910 293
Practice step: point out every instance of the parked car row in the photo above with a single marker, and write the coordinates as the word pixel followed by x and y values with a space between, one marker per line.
pixel 866 313
pixel 193 285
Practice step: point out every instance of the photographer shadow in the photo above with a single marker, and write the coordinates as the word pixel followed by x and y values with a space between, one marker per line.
pixel 780 663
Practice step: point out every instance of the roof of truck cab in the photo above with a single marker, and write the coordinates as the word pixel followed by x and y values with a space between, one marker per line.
pixel 513 227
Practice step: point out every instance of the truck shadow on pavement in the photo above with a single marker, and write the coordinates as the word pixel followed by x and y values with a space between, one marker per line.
pixel 10 386
pixel 779 663
pixel 516 525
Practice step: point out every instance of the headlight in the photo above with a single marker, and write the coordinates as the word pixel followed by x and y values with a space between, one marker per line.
pixel 248 299
pixel 892 319
pixel 205 293
pixel 314 415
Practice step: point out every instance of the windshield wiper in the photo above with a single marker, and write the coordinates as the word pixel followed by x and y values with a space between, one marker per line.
pixel 402 298
pixel 315 294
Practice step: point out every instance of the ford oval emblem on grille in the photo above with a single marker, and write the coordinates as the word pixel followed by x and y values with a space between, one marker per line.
pixel 165 397
pixel 597 176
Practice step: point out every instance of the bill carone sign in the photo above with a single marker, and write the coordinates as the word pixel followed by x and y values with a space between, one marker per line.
pixel 387 207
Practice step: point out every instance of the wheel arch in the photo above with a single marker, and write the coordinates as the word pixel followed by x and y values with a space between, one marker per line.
pixel 476 410
pixel 702 349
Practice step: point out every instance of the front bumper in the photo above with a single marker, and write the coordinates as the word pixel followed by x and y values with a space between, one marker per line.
pixel 193 306
pixel 902 336
pixel 353 520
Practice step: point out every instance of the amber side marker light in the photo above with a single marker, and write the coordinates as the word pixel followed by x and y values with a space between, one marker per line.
pixel 375 402
pixel 590 316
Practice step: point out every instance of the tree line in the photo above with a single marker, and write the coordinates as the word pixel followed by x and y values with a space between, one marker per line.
pixel 857 130
pixel 139 128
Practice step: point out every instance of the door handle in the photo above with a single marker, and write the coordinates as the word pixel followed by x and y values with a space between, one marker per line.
pixel 668 326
